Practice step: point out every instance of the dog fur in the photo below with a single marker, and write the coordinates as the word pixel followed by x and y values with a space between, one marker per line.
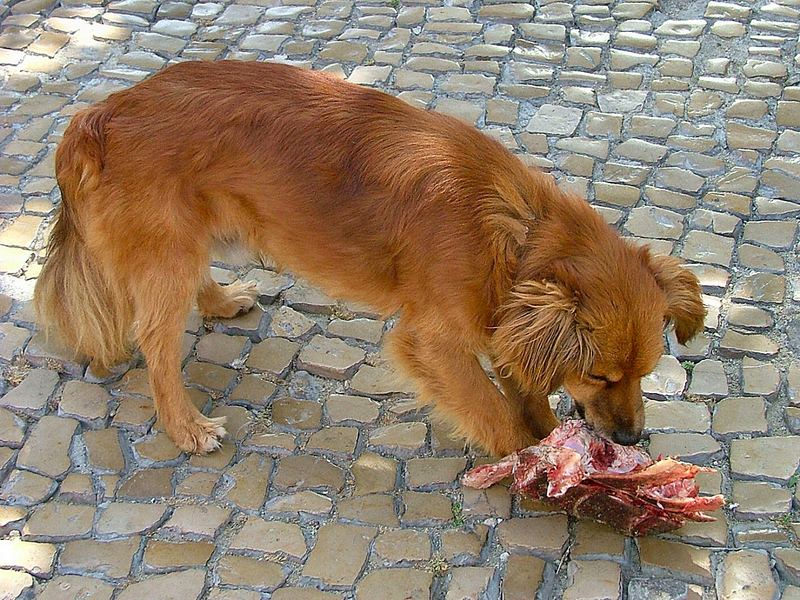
pixel 375 201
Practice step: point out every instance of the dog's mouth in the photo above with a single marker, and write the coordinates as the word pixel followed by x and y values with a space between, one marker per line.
pixel 581 411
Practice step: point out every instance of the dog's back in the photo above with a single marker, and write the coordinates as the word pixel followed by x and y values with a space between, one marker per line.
pixel 269 155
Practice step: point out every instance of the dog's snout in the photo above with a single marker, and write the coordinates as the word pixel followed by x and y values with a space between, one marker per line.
pixel 626 437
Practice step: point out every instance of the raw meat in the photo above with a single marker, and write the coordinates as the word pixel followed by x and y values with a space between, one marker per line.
pixel 591 477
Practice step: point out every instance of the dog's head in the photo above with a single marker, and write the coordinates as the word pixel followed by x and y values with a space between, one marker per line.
pixel 594 324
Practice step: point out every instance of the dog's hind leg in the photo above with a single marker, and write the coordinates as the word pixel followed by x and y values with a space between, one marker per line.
pixel 161 303
pixel 453 380
pixel 215 300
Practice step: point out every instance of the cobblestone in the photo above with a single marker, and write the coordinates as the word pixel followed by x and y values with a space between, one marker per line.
pixel 112 559
pixel 691 447
pixel 788 562
pixel 759 500
pixel 685 561
pixel 468 582
pixel 26 488
pixel 172 586
pixel 47 449
pixel 540 535
pixel 709 379
pixel 403 545
pixel 55 522
pixel 300 472
pixel 32 393
pixel 103 450
pixel 122 518
pixel 596 541
pixel 165 555
pixel 523 574
pixel 270 537
pixel 768 457
pixel 84 401
pixel 740 415
pixel 593 579
pixel 339 554
pixel 12 429
pixel 746 574
pixel 395 584
pixel 676 416
pixel 35 558
pixel 201 521
pixel 680 124
pixel 330 358
pixel 15 584
pixel 242 571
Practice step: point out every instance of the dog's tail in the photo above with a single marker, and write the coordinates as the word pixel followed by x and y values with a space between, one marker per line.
pixel 75 294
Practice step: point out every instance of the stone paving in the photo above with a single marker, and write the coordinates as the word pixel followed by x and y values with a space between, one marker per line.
pixel 680 122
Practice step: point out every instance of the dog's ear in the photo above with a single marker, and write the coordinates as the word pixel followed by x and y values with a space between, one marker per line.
pixel 684 300
pixel 538 336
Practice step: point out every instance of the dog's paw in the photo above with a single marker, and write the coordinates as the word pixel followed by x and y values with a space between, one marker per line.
pixel 229 300
pixel 516 440
pixel 200 436
pixel 242 295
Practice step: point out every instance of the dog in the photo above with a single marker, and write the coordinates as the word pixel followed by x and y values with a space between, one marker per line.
pixel 408 211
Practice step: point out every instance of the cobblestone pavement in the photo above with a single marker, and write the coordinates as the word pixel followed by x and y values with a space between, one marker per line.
pixel 680 123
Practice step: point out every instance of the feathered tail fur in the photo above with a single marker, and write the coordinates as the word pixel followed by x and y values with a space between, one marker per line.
pixel 74 294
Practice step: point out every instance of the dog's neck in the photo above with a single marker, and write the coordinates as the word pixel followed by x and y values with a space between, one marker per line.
pixel 565 226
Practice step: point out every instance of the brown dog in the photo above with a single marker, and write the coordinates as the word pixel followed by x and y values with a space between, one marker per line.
pixel 375 201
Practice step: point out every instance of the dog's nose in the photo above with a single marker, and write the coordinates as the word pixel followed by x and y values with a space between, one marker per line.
pixel 625 437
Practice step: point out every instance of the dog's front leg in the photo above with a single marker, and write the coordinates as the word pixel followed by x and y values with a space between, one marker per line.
pixel 453 380
pixel 536 407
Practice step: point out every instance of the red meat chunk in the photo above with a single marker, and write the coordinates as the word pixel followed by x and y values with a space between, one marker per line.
pixel 591 477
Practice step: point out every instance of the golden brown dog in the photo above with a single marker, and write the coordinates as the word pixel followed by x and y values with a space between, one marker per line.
pixel 375 201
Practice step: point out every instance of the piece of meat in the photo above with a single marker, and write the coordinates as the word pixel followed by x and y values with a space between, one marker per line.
pixel 590 477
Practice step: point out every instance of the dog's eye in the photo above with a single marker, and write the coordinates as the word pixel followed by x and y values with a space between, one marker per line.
pixel 599 379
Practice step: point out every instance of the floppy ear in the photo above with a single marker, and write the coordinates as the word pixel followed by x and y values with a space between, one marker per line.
pixel 684 301
pixel 538 337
